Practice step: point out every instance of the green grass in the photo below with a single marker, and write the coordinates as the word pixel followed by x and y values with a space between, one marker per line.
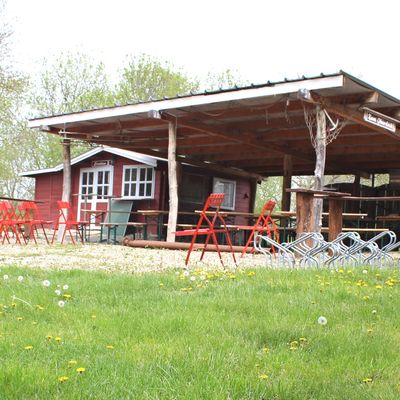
pixel 229 339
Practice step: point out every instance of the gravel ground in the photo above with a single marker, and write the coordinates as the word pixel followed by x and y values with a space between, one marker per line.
pixel 111 258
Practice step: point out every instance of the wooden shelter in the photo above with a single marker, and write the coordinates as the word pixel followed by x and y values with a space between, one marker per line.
pixel 255 131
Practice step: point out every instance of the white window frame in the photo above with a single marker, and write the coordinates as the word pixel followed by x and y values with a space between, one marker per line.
pixel 138 167
pixel 222 180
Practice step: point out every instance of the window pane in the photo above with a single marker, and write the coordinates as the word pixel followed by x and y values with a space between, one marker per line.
pixel 107 177
pixel 127 175
pixel 90 178
pixel 126 189
pixel 148 189
pixel 84 178
pixel 133 189
pixel 99 191
pixel 105 190
pixel 100 178
pixel 141 190
pixel 134 174
pixel 142 174
pixel 149 174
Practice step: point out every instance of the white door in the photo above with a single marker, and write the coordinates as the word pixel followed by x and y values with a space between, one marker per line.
pixel 95 187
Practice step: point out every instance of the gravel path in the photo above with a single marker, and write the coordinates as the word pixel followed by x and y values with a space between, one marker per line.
pixel 113 258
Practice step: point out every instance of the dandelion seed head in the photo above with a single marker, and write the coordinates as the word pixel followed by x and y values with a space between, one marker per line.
pixel 322 320
pixel 20 278
pixel 61 303
pixel 46 283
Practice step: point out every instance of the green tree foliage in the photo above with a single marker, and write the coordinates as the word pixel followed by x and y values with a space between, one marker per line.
pixel 73 82
pixel 145 78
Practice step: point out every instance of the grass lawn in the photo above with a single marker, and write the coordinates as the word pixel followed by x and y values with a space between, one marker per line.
pixel 243 335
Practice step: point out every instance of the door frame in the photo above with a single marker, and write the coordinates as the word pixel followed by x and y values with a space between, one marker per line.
pixel 93 201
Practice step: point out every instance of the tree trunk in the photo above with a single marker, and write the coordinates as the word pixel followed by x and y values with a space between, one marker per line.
pixel 320 152
pixel 173 183
pixel 66 191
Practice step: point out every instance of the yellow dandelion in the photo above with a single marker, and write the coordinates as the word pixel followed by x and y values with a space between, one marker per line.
pixel 80 370
pixel 294 343
pixel 72 362
pixel 367 380
pixel 265 350
pixel 67 296
pixel 93 316
pixel 263 377
pixel 302 339
pixel 378 287
pixel 49 337
pixel 293 348
pixel 63 379
pixel 58 339
pixel 370 330
pixel 251 273
pixel 29 347
pixel 13 305
pixel 161 284
pixel 19 318
pixel 110 346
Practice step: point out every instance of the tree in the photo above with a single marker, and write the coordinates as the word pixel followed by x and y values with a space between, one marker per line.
pixel 145 78
pixel 73 82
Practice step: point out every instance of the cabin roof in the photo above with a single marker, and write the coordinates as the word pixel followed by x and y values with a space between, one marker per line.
pixel 131 155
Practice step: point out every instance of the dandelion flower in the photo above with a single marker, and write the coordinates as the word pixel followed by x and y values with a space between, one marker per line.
pixel 93 316
pixel 374 312
pixel 161 284
pixel 263 377
pixel 46 283
pixel 322 320
pixel 367 380
pixel 67 296
pixel 20 278
pixel 57 339
pixel 72 362
pixel 63 379
pixel 81 370
pixel 65 287
pixel 29 347
pixel 61 303
pixel 365 271
pixel 49 337
pixel 192 278
pixel 110 347
pixel 5 277
pixel 186 273
pixel 19 318
pixel 57 292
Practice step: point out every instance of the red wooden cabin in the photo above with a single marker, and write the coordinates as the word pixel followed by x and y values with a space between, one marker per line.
pixel 142 179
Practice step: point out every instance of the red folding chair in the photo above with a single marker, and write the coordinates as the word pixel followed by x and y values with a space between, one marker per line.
pixel 10 223
pixel 32 219
pixel 209 218
pixel 264 223
pixel 67 219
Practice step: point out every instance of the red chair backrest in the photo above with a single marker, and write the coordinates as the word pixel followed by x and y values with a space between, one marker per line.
pixel 65 211
pixel 265 214
pixel 214 200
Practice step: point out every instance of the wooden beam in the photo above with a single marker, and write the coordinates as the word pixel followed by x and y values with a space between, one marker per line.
pixel 172 183
pixel 287 181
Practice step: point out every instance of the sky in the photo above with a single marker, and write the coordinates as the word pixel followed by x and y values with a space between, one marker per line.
pixel 259 40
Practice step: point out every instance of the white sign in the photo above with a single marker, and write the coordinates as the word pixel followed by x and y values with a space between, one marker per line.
pixel 379 121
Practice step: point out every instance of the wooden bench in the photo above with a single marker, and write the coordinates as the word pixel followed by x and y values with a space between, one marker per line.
pixel 112 228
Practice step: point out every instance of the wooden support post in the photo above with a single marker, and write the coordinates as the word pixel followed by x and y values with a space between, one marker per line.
pixel 320 152
pixel 253 195
pixel 66 189
pixel 286 182
pixel 173 182
pixel 335 219
pixel 304 212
